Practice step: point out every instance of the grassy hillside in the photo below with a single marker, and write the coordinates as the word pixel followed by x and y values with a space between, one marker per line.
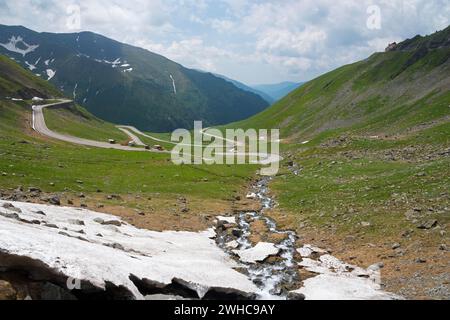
pixel 384 94
pixel 370 143
pixel 77 122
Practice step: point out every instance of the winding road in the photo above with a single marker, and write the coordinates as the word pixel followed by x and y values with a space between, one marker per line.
pixel 39 125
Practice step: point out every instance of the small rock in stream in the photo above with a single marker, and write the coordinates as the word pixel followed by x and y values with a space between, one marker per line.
pixel 295 296
pixel 237 233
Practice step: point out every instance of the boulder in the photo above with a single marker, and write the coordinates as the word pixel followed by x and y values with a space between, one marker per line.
pixel 427 225
pixel 295 296
pixel 10 207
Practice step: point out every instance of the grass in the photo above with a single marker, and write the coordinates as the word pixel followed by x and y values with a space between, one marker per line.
pixel 38 163
pixel 20 83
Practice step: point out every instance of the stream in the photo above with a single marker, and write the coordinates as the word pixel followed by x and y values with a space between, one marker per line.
pixel 271 276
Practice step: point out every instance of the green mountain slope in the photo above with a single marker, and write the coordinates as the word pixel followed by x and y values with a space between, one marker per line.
pixel 367 163
pixel 277 91
pixel 125 84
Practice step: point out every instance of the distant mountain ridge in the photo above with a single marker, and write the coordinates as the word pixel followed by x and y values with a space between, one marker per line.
pixel 124 84
pixel 245 87
pixel 277 91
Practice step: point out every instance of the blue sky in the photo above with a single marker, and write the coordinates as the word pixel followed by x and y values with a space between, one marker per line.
pixel 254 41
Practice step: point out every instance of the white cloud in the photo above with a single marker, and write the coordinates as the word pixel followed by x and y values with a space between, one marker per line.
pixel 256 40
pixel 193 52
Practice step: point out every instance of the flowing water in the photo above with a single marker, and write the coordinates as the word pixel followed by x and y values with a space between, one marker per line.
pixel 273 276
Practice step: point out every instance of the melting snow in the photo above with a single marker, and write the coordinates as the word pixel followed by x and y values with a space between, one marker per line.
pixel 337 280
pixel 14 41
pixel 128 70
pixel 231 220
pixel 50 74
pixel 173 84
pixel 74 93
pixel 116 63
pixel 47 62
pixel 30 66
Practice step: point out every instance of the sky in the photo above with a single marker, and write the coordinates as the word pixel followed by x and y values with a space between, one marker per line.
pixel 253 41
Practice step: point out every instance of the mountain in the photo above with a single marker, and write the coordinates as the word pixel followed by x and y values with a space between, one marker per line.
pixel 125 84
pixel 277 91
pixel 388 92
pixel 19 84
pixel 245 87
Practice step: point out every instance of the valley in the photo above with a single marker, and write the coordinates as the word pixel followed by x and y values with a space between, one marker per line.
pixel 360 204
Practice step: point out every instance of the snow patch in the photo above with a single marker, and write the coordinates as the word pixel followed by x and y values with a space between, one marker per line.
pixel 307 250
pixel 50 74
pixel 231 220
pixel 335 287
pixel 14 41
pixel 74 93
pixel 30 66
pixel 337 280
